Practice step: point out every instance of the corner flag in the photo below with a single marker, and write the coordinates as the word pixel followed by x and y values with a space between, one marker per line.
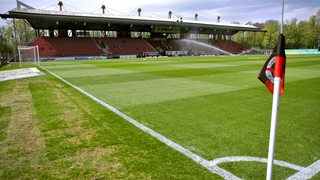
pixel 274 66
pixel 272 75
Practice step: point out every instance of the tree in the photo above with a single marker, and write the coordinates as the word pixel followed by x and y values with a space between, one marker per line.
pixel 309 32
pixel 9 38
pixel 5 49
pixel 313 32
pixel 302 30
pixel 292 34
pixel 271 36
pixel 24 32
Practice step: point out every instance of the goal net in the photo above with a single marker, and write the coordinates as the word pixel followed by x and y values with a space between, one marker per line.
pixel 28 54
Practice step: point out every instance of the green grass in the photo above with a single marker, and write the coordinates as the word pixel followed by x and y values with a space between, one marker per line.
pixel 56 132
pixel 213 106
pixel 5 113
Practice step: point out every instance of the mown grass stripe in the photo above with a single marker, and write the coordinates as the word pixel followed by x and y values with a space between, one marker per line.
pixel 152 91
pixel 179 148
pixel 90 72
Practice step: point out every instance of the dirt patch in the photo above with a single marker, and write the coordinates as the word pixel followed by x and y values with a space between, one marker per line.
pixel 22 128
pixel 99 158
pixel 22 134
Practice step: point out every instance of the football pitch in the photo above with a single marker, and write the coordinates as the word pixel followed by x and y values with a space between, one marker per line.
pixel 212 106
pixel 212 109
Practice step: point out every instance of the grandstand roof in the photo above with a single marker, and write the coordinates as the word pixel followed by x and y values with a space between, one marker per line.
pixel 47 19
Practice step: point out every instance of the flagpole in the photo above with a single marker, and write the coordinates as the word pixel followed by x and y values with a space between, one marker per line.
pixel 273 126
pixel 274 114
pixel 282 15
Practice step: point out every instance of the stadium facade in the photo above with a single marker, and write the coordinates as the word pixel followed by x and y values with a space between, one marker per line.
pixel 62 33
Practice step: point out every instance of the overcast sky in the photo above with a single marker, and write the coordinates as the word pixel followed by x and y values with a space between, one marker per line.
pixel 241 11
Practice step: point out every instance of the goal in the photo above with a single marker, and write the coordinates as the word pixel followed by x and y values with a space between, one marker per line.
pixel 29 54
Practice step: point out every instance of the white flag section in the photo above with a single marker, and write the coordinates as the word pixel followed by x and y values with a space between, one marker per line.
pixel 273 126
pixel 19 73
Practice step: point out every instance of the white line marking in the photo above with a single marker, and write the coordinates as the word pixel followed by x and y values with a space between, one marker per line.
pixel 256 159
pixel 307 172
pixel 304 173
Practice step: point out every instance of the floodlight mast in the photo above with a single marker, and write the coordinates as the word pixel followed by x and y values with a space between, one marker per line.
pixel 60 4
pixel 103 7
pixel 196 17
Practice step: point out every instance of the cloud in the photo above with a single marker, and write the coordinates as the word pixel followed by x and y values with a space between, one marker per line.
pixel 301 14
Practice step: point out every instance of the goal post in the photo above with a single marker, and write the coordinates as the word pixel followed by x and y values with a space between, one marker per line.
pixel 29 54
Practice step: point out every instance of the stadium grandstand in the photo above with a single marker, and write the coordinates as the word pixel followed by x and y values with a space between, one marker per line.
pixel 77 34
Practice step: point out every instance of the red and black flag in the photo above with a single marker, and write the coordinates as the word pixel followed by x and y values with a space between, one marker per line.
pixel 274 66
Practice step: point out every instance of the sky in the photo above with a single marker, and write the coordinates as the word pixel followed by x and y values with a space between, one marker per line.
pixel 241 11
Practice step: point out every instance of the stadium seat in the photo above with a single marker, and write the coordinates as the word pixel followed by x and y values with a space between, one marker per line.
pixel 126 46
pixel 67 46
